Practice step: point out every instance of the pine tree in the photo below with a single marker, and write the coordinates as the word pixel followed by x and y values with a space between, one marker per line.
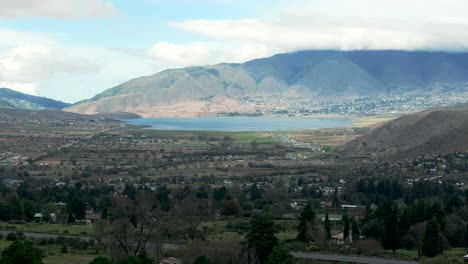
pixel 432 242
pixel 327 226
pixel 306 224
pixel 261 236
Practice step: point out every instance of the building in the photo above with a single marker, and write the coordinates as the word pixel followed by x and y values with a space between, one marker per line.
pixel 92 217
pixel 38 217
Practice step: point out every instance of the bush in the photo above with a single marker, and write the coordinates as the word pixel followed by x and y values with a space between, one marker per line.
pixel 20 235
pixel 100 260
pixel 22 252
pixel 11 236
pixel 64 249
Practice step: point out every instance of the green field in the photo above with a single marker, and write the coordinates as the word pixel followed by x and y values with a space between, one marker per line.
pixel 68 259
pixel 57 229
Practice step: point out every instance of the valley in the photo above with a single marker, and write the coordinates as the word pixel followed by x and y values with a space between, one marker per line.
pixel 83 169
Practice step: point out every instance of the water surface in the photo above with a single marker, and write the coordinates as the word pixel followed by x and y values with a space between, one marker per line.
pixel 240 123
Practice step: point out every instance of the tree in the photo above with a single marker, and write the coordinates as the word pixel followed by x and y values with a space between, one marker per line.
pixel 231 207
pixel 280 255
pixel 432 242
pixel 135 226
pixel 255 192
pixel 220 193
pixel 417 233
pixel 16 209
pixel 327 227
pixel 306 224
pixel 355 231
pixel 345 227
pixel 202 260
pixel 261 237
pixel 21 252
pixel 388 213
pixel 162 196
pixel 100 260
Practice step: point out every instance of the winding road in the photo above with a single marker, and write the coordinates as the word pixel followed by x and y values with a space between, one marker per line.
pixel 348 259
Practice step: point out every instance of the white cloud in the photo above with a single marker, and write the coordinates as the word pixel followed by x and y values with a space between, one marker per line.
pixel 323 24
pixel 42 65
pixel 64 9
pixel 202 53
pixel 325 32
pixel 26 66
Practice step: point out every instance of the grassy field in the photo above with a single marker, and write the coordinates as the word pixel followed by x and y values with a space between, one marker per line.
pixel 58 229
pixel 68 259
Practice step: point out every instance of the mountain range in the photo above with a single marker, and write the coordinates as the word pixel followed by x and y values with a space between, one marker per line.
pixel 305 74
pixel 16 100
pixel 431 132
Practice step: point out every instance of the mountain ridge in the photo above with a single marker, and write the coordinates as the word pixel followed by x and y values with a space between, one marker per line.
pixel 309 74
pixel 13 99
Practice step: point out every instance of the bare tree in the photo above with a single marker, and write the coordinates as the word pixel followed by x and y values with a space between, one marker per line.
pixel 135 227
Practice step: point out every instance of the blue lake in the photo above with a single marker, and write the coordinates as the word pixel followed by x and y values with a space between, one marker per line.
pixel 240 123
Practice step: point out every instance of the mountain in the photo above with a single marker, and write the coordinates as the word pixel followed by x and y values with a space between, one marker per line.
pixel 431 132
pixel 309 74
pixel 13 99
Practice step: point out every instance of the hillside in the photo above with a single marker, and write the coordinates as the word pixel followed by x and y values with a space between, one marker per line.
pixel 430 132
pixel 311 74
pixel 16 100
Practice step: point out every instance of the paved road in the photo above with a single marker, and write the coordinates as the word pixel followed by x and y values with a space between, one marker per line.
pixel 349 259
pixel 44 235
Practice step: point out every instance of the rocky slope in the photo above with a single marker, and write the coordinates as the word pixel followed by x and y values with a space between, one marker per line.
pixel 431 132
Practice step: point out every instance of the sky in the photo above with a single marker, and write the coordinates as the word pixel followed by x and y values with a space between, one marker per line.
pixel 70 50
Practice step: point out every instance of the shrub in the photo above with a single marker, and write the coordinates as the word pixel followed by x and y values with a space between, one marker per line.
pixel 64 249
pixel 11 236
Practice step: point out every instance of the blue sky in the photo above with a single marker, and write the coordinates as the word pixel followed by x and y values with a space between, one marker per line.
pixel 72 49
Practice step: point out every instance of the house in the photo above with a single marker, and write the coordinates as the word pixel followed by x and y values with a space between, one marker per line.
pixel 92 217
pixel 38 217
pixel 53 217
pixel 170 260
pixel 298 203
pixel 339 238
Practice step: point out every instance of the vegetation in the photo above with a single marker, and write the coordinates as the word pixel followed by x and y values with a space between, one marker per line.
pixel 132 195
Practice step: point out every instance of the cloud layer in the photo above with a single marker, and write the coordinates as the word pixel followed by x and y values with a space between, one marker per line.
pixel 64 9
pixel 324 24
pixel 42 63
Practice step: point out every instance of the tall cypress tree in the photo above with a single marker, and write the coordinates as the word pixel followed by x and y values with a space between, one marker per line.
pixel 388 215
pixel 327 226
pixel 346 227
pixel 391 233
pixel 306 224
pixel 432 242
pixel 355 231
